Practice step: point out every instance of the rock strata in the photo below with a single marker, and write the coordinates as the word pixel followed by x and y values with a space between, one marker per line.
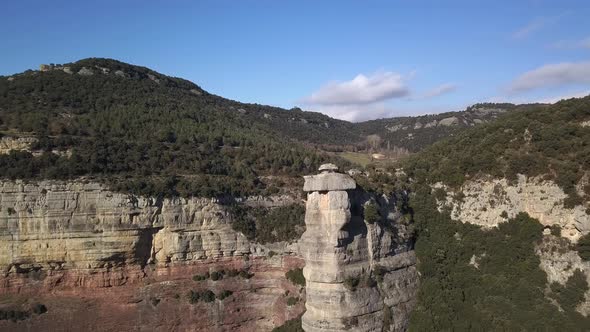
pixel 342 254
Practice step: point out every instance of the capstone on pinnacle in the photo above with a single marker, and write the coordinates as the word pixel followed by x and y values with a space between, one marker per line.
pixel 328 168
pixel 328 180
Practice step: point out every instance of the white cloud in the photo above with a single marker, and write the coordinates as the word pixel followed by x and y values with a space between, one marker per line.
pixel 532 100
pixel 536 25
pixel 572 44
pixel 528 29
pixel 361 90
pixel 552 75
pixel 439 90
pixel 355 113
pixel 552 100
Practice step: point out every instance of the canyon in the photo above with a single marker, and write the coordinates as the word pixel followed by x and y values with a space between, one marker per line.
pixel 110 261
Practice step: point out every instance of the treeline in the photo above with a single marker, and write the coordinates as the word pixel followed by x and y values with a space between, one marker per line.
pixel 168 137
pixel 475 279
pixel 546 141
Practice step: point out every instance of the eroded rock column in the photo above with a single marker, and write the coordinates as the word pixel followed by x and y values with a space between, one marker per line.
pixel 360 275
pixel 323 248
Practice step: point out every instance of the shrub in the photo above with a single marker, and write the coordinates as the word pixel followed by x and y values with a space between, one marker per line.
pixel 232 273
pixel 556 230
pixel 572 294
pixel 216 275
pixel 372 213
pixel 351 283
pixel 296 276
pixel 208 296
pixel 245 274
pixel 583 247
pixel 225 294
pixel 39 309
pixel 292 325
pixel 379 272
pixel 201 277
pixel 194 297
pixel 291 301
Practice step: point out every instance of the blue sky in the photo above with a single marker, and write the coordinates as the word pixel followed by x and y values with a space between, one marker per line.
pixel 354 60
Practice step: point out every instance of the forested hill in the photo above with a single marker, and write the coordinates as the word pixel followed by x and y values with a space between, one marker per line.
pixel 417 132
pixel 474 278
pixel 148 133
pixel 99 85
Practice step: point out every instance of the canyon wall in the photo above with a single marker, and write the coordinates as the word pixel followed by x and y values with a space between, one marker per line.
pixel 360 275
pixel 490 202
pixel 107 261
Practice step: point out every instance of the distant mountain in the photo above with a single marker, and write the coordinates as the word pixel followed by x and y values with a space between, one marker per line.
pixel 416 133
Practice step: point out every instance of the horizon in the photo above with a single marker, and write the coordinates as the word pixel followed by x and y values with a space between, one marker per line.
pixel 534 51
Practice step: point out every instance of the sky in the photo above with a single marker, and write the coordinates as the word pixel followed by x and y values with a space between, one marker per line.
pixel 353 60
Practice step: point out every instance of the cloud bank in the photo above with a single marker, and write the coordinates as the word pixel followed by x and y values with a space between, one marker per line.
pixel 572 44
pixel 439 90
pixel 363 98
pixel 536 25
pixel 552 75
pixel 361 90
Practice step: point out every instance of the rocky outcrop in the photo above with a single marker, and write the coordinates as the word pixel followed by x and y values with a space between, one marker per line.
pixel 106 256
pixel 359 276
pixel 559 261
pixel 8 144
pixel 490 202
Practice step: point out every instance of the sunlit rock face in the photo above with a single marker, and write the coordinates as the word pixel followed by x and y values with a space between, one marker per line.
pixel 490 202
pixel 107 261
pixel 342 253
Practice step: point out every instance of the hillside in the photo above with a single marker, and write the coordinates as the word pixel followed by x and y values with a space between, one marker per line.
pixel 149 133
pixel 498 211
pixel 152 134
pixel 417 132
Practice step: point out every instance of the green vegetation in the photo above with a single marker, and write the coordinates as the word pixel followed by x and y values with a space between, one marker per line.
pixel 506 290
pixel 583 247
pixel 296 276
pixel 205 296
pixel 18 315
pixel 216 275
pixel 379 272
pixel 556 230
pixel 225 294
pixel 372 212
pixel 359 158
pixel 201 277
pixel 291 301
pixel 413 134
pixel 268 225
pixel 154 138
pixel 364 280
pixel 292 325
pixel 543 141
pixel 220 274
pixel 570 295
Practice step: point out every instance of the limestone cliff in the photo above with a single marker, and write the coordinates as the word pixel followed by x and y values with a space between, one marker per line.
pixel 489 202
pixel 360 276
pixel 493 201
pixel 107 261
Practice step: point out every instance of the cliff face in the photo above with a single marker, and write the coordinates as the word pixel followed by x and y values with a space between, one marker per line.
pixel 360 276
pixel 488 203
pixel 120 262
